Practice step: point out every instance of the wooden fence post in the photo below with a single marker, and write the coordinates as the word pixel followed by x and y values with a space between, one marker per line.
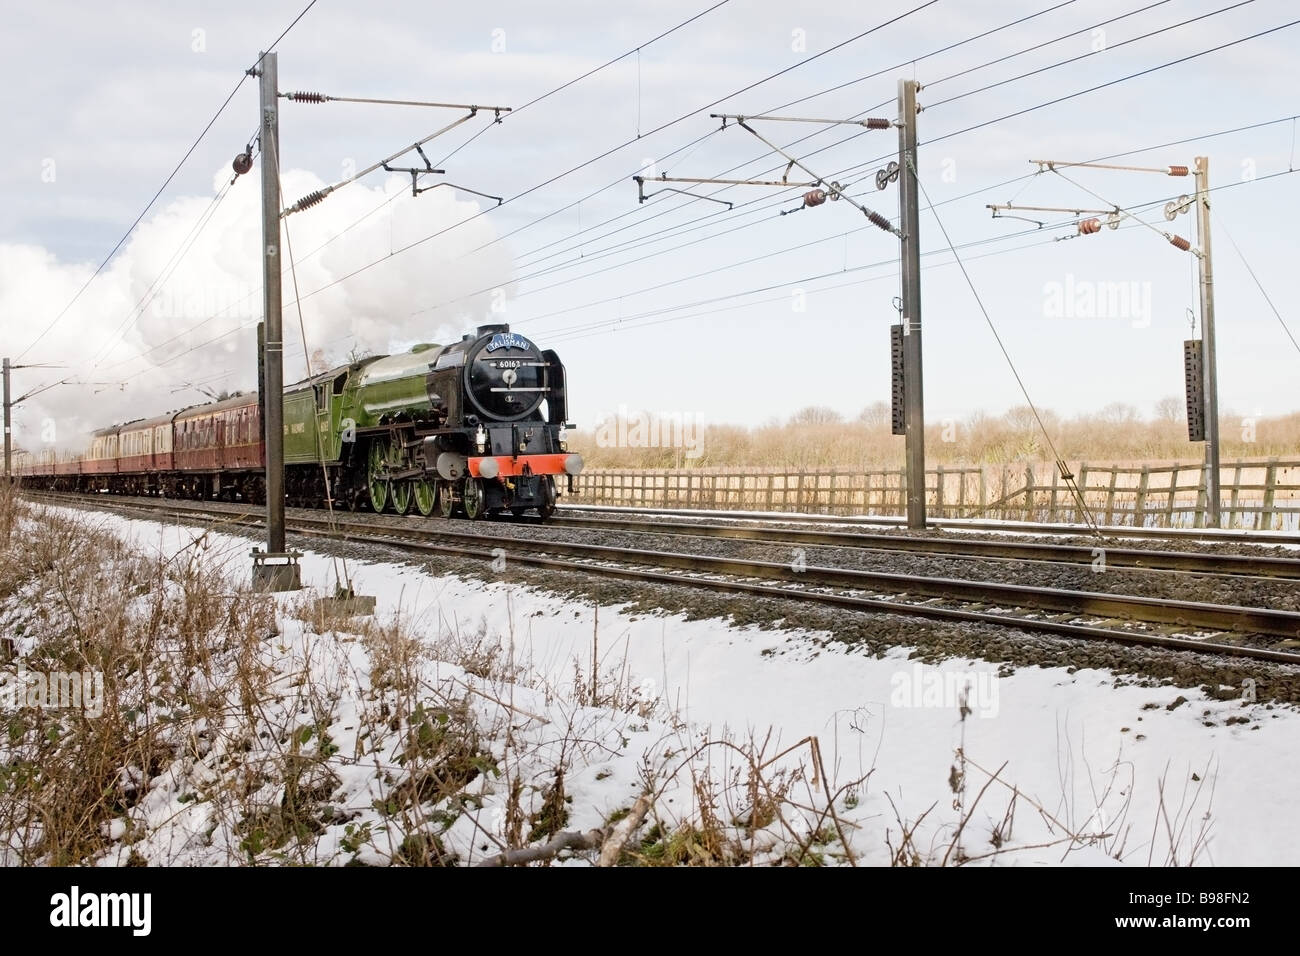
pixel 1110 495
pixel 1140 505
pixel 1235 498
pixel 1083 490
pixel 1173 493
pixel 1270 492
pixel 1198 516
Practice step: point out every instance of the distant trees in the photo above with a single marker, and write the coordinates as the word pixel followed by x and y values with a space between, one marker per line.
pixel 820 437
pixel 875 415
pixel 1169 409
pixel 1119 413
pixel 816 415
pixel 1021 419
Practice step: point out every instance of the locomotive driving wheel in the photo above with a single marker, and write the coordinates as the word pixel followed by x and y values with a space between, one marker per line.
pixel 376 484
pixel 400 496
pixel 425 493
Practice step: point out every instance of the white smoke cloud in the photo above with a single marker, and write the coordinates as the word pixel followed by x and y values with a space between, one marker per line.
pixel 134 349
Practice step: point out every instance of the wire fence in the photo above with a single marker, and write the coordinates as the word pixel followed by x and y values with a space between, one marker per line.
pixel 1257 494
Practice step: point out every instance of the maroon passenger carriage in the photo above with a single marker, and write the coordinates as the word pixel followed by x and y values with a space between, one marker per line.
pixel 212 450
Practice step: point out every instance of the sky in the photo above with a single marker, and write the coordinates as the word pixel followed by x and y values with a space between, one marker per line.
pixel 679 304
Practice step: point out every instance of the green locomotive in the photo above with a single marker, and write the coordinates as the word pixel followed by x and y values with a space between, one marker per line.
pixel 470 428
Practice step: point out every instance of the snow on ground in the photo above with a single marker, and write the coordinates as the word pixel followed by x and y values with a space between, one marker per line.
pixel 1084 754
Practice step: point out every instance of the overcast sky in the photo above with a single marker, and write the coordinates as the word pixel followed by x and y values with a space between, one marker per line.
pixel 680 304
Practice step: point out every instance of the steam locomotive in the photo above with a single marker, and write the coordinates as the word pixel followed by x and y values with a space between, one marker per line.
pixel 472 428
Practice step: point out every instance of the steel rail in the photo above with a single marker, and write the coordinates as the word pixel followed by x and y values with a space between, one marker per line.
pixel 1198 562
pixel 1224 535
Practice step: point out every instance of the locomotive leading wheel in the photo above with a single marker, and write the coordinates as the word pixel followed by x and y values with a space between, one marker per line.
pixel 446 499
pixel 425 493
pixel 547 507
pixel 376 484
pixel 473 498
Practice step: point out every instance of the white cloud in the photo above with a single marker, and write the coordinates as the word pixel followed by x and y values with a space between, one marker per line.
pixel 163 344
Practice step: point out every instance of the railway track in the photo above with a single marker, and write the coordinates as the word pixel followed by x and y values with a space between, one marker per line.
pixel 1206 628
pixel 1207 535
pixel 1006 549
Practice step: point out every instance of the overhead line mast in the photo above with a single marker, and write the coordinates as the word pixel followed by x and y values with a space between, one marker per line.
pixel 276 568
pixel 909 411
pixel 1199 356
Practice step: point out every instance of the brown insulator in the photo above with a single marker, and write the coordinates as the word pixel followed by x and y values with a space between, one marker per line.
pixel 309 200
pixel 879 221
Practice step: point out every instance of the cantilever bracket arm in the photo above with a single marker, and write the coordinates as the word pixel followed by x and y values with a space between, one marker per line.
pixel 642 195
pixel 836 191
pixel 464 189
pixel 311 199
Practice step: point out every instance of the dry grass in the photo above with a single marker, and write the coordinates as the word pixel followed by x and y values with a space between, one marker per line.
pixel 236 732
pixel 205 696
pixel 79 601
